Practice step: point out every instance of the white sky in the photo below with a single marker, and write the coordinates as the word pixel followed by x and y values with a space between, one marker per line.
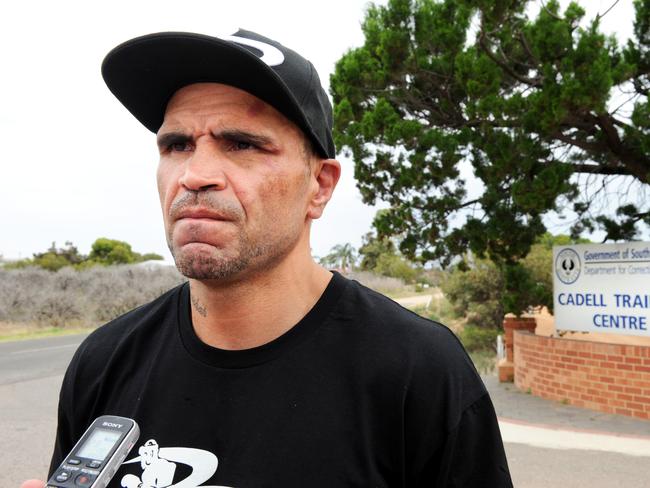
pixel 78 166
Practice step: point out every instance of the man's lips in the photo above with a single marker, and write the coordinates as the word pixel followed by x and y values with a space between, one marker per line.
pixel 201 226
pixel 201 214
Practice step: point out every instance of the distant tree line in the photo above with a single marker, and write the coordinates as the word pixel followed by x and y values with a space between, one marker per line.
pixel 380 256
pixel 104 252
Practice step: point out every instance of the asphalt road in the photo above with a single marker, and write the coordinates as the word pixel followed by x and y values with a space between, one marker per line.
pixel 30 377
pixel 39 358
pixel 31 373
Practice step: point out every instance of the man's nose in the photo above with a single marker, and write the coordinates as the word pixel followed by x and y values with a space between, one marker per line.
pixel 204 170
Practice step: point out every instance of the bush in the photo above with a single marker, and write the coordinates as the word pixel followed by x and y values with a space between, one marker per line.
pixel 479 338
pixel 484 361
pixel 57 308
pixel 118 289
pixel 106 252
pixel 382 284
pixel 86 297
pixel 396 267
pixel 477 294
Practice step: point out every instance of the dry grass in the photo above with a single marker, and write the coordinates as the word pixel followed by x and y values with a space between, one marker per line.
pixel 33 299
pixel 392 287
pixel 10 331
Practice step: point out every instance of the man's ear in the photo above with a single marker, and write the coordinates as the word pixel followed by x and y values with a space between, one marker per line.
pixel 325 175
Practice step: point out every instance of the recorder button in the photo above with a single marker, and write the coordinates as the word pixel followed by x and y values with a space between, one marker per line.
pixel 94 464
pixel 84 480
pixel 62 476
pixel 74 461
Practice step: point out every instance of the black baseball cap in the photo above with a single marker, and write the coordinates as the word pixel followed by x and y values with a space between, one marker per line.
pixel 145 72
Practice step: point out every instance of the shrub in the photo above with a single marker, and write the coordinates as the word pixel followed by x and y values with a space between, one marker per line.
pixel 84 297
pixel 118 289
pixel 479 338
pixel 383 284
pixel 57 308
pixel 396 267
pixel 477 294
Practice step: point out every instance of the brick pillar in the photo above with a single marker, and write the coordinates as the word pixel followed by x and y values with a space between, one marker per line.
pixel 506 366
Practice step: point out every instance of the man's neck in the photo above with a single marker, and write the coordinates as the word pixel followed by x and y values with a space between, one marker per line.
pixel 253 311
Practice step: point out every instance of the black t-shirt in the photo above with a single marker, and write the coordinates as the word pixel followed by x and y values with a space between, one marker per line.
pixel 361 392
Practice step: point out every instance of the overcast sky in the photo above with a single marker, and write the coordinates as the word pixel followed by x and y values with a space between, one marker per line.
pixel 77 166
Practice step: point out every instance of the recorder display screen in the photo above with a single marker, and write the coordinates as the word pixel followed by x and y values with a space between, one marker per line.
pixel 99 444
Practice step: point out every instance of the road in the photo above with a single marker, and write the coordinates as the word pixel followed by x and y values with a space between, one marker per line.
pixel 30 377
pixel 417 300
pixel 31 373
pixel 39 358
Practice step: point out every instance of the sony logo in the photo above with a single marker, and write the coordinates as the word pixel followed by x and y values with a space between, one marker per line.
pixel 108 424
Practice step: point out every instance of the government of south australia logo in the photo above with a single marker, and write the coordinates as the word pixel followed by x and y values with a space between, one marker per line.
pixel 567 266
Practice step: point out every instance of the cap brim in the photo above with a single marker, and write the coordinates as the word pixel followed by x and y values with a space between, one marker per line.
pixel 145 72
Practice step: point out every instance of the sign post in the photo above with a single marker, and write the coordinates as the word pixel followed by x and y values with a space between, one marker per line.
pixel 602 288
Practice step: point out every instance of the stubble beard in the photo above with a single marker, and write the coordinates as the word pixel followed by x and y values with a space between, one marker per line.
pixel 244 255
pixel 256 252
pixel 215 264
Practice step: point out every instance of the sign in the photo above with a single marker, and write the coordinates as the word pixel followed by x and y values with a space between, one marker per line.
pixel 602 288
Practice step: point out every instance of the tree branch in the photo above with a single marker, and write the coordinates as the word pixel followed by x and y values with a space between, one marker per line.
pixel 640 88
pixel 590 147
pixel 613 139
pixel 504 66
pixel 600 16
pixel 637 164
pixel 555 16
pixel 592 169
pixel 597 169
pixel 524 43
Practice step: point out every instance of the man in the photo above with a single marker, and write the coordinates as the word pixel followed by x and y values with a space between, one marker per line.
pixel 265 369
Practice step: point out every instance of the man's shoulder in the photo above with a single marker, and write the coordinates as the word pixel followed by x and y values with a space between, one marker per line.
pixel 402 347
pixel 152 315
pixel 374 310
pixel 379 324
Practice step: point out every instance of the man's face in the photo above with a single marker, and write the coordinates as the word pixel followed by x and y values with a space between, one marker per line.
pixel 234 180
pixel 147 455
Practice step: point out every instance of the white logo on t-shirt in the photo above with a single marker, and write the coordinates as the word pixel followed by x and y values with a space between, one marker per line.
pixel 271 55
pixel 159 466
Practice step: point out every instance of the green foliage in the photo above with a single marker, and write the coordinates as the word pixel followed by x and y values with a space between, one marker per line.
pixel 110 251
pixel 484 291
pixel 479 338
pixel 372 248
pixel 476 293
pixel 104 252
pixel 341 256
pixel 522 102
pixel 20 264
pixel 150 256
pixel 380 255
pixel 440 310
pixel 539 264
pixel 53 259
pixel 485 361
pixel 395 266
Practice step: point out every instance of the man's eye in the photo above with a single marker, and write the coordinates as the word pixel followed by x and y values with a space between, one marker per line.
pixel 180 146
pixel 241 145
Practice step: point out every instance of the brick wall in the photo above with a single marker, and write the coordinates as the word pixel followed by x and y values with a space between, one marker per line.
pixel 610 378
